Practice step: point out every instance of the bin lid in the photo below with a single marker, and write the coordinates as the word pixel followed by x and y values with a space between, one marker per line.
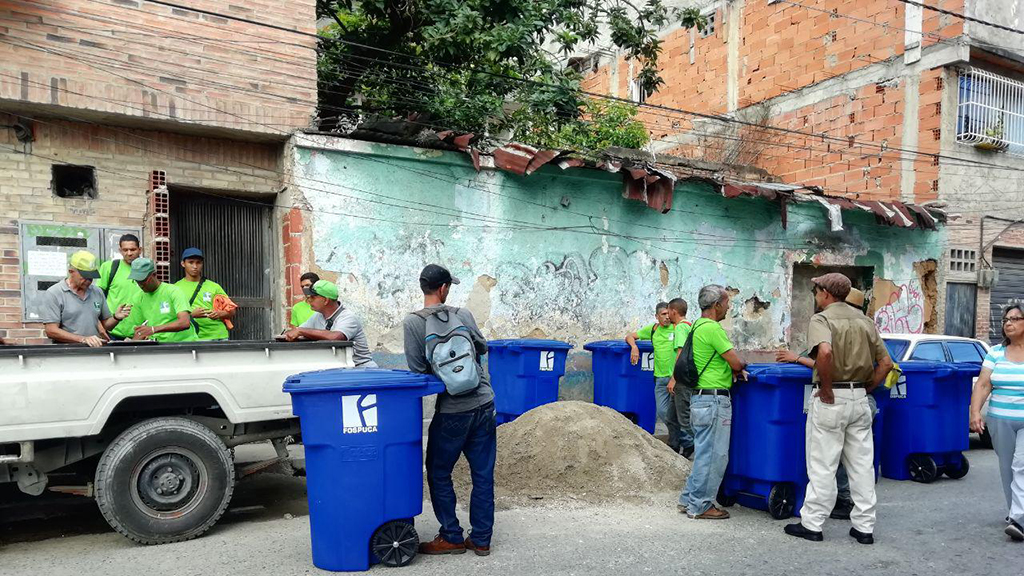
pixel 923 366
pixel 532 343
pixel 780 369
pixel 643 345
pixel 360 379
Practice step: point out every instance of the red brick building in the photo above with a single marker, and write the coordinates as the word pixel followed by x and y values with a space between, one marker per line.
pixel 875 100
pixel 127 116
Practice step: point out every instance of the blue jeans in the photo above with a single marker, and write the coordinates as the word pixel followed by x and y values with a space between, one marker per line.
pixel 711 418
pixel 663 401
pixel 450 435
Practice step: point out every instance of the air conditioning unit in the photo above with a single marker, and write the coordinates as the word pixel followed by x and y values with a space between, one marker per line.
pixel 987 277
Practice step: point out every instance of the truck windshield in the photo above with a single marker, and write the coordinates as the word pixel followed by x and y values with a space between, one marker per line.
pixel 896 348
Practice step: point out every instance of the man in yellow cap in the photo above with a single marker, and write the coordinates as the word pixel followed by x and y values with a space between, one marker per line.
pixel 74 311
pixel 332 321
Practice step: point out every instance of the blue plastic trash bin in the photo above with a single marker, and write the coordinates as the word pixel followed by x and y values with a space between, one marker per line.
pixel 620 385
pixel 767 464
pixel 925 426
pixel 363 434
pixel 524 374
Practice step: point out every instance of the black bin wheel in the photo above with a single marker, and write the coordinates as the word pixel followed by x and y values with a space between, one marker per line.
pixel 394 544
pixel 723 499
pixel 922 468
pixel 782 501
pixel 164 480
pixel 957 472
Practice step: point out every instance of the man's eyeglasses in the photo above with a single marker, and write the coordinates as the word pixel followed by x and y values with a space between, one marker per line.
pixel 1011 319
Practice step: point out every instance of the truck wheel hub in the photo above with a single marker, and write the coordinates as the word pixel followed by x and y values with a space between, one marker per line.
pixel 168 482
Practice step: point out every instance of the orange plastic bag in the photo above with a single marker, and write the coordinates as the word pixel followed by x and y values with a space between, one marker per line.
pixel 222 303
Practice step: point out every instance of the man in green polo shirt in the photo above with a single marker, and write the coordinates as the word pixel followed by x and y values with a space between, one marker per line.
pixel 115 284
pixel 302 310
pixel 660 334
pixel 200 292
pixel 160 311
pixel 710 405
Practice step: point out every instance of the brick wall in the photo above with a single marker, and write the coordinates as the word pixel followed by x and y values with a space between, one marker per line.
pixel 124 161
pixel 143 60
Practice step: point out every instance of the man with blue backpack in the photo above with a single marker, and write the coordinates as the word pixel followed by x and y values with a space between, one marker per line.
pixel 445 341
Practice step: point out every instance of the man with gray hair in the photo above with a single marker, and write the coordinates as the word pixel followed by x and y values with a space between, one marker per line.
pixel 710 405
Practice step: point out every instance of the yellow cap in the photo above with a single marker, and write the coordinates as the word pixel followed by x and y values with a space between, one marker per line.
pixel 85 263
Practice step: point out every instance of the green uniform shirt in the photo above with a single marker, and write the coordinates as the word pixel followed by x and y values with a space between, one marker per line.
pixel 120 290
pixel 300 313
pixel 162 307
pixel 682 330
pixel 709 343
pixel 664 353
pixel 209 329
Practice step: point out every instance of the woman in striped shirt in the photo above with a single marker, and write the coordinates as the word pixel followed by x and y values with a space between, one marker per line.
pixel 1002 376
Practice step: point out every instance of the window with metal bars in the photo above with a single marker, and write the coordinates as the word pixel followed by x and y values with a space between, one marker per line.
pixel 990 111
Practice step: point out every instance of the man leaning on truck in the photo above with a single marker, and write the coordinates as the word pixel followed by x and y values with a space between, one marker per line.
pixel 160 312
pixel 75 311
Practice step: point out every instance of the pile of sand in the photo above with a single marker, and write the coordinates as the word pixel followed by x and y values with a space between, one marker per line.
pixel 579 451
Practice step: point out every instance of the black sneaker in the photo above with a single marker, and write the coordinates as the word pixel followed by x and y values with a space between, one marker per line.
pixel 842 510
pixel 799 531
pixel 861 536
pixel 1014 531
pixel 688 453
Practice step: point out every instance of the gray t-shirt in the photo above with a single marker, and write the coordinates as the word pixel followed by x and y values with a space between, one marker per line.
pixel 345 321
pixel 73 313
pixel 415 329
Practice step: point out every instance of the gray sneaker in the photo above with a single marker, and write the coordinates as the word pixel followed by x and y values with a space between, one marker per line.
pixel 682 509
pixel 1014 531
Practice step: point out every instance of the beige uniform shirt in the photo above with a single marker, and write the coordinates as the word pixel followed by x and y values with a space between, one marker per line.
pixel 856 345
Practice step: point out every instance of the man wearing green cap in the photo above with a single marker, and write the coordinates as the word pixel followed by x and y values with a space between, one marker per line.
pixel 74 311
pixel 331 321
pixel 160 312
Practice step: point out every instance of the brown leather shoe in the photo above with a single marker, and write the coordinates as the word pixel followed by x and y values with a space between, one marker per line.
pixel 711 514
pixel 441 546
pixel 480 550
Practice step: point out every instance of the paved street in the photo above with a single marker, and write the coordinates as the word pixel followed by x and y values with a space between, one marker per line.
pixel 949 527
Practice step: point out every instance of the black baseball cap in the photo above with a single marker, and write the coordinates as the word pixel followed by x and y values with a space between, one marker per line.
pixel 434 276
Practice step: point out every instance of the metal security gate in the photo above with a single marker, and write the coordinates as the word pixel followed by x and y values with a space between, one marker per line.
pixel 961 303
pixel 1009 289
pixel 234 235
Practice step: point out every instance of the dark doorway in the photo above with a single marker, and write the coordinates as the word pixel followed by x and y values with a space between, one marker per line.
pixel 862 278
pixel 1007 290
pixel 961 305
pixel 234 234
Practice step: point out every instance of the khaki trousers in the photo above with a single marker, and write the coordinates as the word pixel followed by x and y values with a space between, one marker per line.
pixel 840 432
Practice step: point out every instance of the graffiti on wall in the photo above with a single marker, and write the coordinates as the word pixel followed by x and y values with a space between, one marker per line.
pixel 903 312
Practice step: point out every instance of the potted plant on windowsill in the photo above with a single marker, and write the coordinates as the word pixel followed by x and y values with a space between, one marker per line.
pixel 993 138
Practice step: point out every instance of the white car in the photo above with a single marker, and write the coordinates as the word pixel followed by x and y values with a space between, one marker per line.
pixel 939 348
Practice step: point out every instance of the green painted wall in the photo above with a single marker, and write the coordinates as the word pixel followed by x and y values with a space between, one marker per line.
pixel 560 253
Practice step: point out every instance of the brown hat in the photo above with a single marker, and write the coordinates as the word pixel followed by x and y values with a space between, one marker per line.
pixel 855 298
pixel 834 283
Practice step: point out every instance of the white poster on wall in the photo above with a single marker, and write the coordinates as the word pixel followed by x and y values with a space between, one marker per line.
pixel 40 263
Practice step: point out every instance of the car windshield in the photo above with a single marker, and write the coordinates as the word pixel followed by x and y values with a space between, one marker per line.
pixel 896 348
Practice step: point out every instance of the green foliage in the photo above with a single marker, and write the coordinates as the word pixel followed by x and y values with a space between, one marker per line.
pixel 604 124
pixel 486 66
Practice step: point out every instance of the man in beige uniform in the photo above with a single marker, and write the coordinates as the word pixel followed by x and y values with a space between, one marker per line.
pixel 850 360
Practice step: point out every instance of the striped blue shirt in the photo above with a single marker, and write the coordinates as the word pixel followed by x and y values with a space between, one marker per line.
pixel 1007 399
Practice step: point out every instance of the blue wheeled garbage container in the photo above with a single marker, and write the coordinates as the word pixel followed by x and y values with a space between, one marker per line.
pixel 620 385
pixel 524 374
pixel 767 464
pixel 363 434
pixel 925 426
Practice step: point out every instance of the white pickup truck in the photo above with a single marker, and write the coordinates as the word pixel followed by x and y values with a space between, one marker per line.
pixel 148 429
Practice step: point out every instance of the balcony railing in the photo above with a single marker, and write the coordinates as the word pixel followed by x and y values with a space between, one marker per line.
pixel 990 111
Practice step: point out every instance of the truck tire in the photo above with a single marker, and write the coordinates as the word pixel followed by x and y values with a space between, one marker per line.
pixel 164 480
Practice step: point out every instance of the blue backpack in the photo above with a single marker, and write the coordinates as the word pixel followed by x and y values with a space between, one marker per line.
pixel 451 351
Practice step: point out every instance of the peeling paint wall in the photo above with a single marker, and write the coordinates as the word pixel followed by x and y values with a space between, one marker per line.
pixel 533 267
